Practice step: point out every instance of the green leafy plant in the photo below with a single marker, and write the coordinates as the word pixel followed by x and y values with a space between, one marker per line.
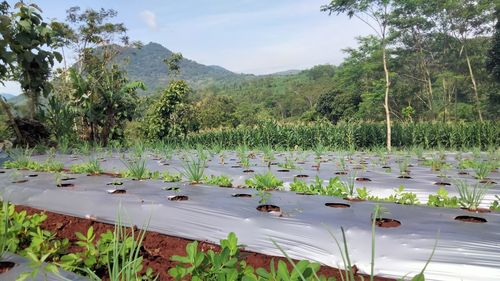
pixel 168 177
pixel 222 181
pixel 91 167
pixel 264 196
pixel 495 205
pixel 136 168
pixel 264 182
pixel 405 198
pixel 442 199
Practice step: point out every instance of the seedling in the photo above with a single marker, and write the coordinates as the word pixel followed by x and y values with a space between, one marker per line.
pixel 194 170
pixel 470 197
pixel 264 182
pixel 264 196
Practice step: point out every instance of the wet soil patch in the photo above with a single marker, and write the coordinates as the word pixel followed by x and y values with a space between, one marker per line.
pixel 157 248
pixel 67 184
pixel 178 198
pixel 241 195
pixel 470 219
pixel 268 208
pixel 387 223
pixel 363 179
pixel 338 205
pixel 6 266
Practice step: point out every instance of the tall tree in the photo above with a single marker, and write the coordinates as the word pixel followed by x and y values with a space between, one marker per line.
pixel 493 62
pixel 31 40
pixel 375 13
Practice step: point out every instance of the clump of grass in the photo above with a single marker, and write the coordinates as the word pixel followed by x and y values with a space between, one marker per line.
pixel 20 156
pixel 194 170
pixel 264 182
pixel 470 197
pixel 91 167
pixel 348 186
pixel 482 170
pixel 136 168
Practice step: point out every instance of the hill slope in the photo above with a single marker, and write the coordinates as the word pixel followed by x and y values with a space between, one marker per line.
pixel 146 64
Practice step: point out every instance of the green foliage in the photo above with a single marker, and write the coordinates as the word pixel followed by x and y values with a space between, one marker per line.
pixel 222 181
pixel 470 196
pixel 194 170
pixel 91 167
pixel 441 199
pixel 136 168
pixel 333 188
pixel 264 182
pixel 364 135
pixel 200 266
pixel 495 205
pixel 405 198
pixel 168 177
pixel 170 115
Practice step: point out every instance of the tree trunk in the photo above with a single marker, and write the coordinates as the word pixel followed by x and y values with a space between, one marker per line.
pixel 386 98
pixel 31 104
pixel 6 108
pixel 474 87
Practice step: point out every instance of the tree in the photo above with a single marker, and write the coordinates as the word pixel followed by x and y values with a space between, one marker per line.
pixel 493 62
pixel 375 13
pixel 170 115
pixel 216 111
pixel 335 105
pixel 30 40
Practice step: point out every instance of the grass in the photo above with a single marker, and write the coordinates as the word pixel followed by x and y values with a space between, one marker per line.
pixel 136 168
pixel 194 170
pixel 470 197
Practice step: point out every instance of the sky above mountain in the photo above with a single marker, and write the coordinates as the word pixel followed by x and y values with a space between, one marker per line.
pixel 244 36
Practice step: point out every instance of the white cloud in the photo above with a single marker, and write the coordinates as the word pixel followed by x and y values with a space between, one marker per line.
pixel 10 87
pixel 149 18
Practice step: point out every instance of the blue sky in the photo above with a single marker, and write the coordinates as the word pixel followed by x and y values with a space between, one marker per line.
pixel 244 36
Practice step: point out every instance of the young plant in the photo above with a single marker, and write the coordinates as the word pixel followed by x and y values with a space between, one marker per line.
pixel 264 182
pixel 405 198
pixel 403 166
pixel 288 164
pixel 442 199
pixel 222 181
pixel 21 157
pixel 168 177
pixel 482 170
pixel 470 197
pixel 263 196
pixel 136 168
pixel 348 186
pixel 194 170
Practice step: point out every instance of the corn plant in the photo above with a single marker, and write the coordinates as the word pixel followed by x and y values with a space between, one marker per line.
pixel 470 197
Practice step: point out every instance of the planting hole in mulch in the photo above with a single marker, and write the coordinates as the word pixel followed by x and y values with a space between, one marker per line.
pixel 386 167
pixel 357 168
pixel 116 191
pixel 115 183
pixel 470 219
pixel 32 176
pixel 387 223
pixel 65 185
pixel 404 177
pixel 2 172
pixel 302 176
pixel 363 179
pixel 338 205
pixel 487 182
pixel 283 170
pixel 242 195
pixel 173 188
pixel 268 208
pixel 462 173
pixel 478 210
pixel 20 181
pixel 442 183
pixel 6 266
pixel 274 163
pixel 301 162
pixel 236 166
pixel 341 173
pixel 304 193
pixel 68 179
pixel 248 171
pixel 178 198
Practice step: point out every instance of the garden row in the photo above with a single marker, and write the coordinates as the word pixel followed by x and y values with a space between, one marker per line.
pixel 351 135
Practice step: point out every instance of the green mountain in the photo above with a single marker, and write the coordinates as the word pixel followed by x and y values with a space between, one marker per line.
pixel 7 96
pixel 146 64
